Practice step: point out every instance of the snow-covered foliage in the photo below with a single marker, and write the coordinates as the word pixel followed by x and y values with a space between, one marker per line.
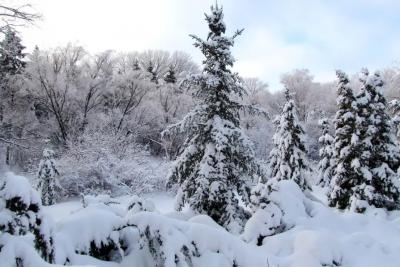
pixel 11 55
pixel 139 234
pixel 326 162
pixel 276 207
pixel 47 175
pixel 288 160
pixel 218 160
pixel 21 218
pixel 345 175
pixel 366 152
pixel 290 228
pixel 379 154
pixel 107 163
pixel 104 115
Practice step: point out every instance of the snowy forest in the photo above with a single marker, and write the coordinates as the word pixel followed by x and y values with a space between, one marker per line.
pixel 148 158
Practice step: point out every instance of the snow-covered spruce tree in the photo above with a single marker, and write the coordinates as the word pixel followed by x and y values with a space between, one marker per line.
pixel 11 64
pixel 345 176
pixel 11 55
pixel 288 160
pixel 170 76
pixel 379 154
pixel 218 159
pixel 326 162
pixel 20 215
pixel 47 177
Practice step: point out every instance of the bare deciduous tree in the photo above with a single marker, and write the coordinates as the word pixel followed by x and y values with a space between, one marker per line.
pixel 97 74
pixel 16 16
pixel 129 93
pixel 54 74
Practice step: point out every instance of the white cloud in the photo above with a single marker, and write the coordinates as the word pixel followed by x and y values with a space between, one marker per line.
pixel 279 35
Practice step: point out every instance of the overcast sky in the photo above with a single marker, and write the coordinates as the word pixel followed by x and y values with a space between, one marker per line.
pixel 279 36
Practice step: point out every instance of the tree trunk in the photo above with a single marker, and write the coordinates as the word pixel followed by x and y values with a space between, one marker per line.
pixel 8 155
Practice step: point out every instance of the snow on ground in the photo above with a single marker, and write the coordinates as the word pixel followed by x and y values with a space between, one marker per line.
pixel 316 236
pixel 164 203
pixel 326 237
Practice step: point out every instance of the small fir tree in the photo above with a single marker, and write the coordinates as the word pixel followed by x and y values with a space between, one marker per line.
pixel 326 163
pixel 218 159
pixel 170 75
pixel 47 177
pixel 288 159
pixel 345 176
pixel 152 73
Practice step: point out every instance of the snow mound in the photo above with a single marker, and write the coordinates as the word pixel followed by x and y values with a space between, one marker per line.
pixel 278 206
pixel 12 186
pixel 86 230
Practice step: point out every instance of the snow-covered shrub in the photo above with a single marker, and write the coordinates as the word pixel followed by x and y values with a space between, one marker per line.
pixel 147 238
pixel 108 240
pixel 169 242
pixel 164 240
pixel 110 163
pixel 20 214
pixel 90 231
pixel 87 200
pixel 277 206
pixel 137 204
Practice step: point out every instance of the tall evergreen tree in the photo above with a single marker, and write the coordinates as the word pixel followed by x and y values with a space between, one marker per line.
pixel 326 162
pixel 47 177
pixel 11 64
pixel 11 55
pixel 288 159
pixel 218 158
pixel 379 154
pixel 345 176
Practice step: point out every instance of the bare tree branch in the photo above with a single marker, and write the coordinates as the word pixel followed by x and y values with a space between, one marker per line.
pixel 16 16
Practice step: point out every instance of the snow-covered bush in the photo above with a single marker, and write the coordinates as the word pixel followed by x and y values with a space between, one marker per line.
pixel 109 240
pixel 20 214
pixel 105 162
pixel 90 231
pixel 87 200
pixel 137 204
pixel 276 206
